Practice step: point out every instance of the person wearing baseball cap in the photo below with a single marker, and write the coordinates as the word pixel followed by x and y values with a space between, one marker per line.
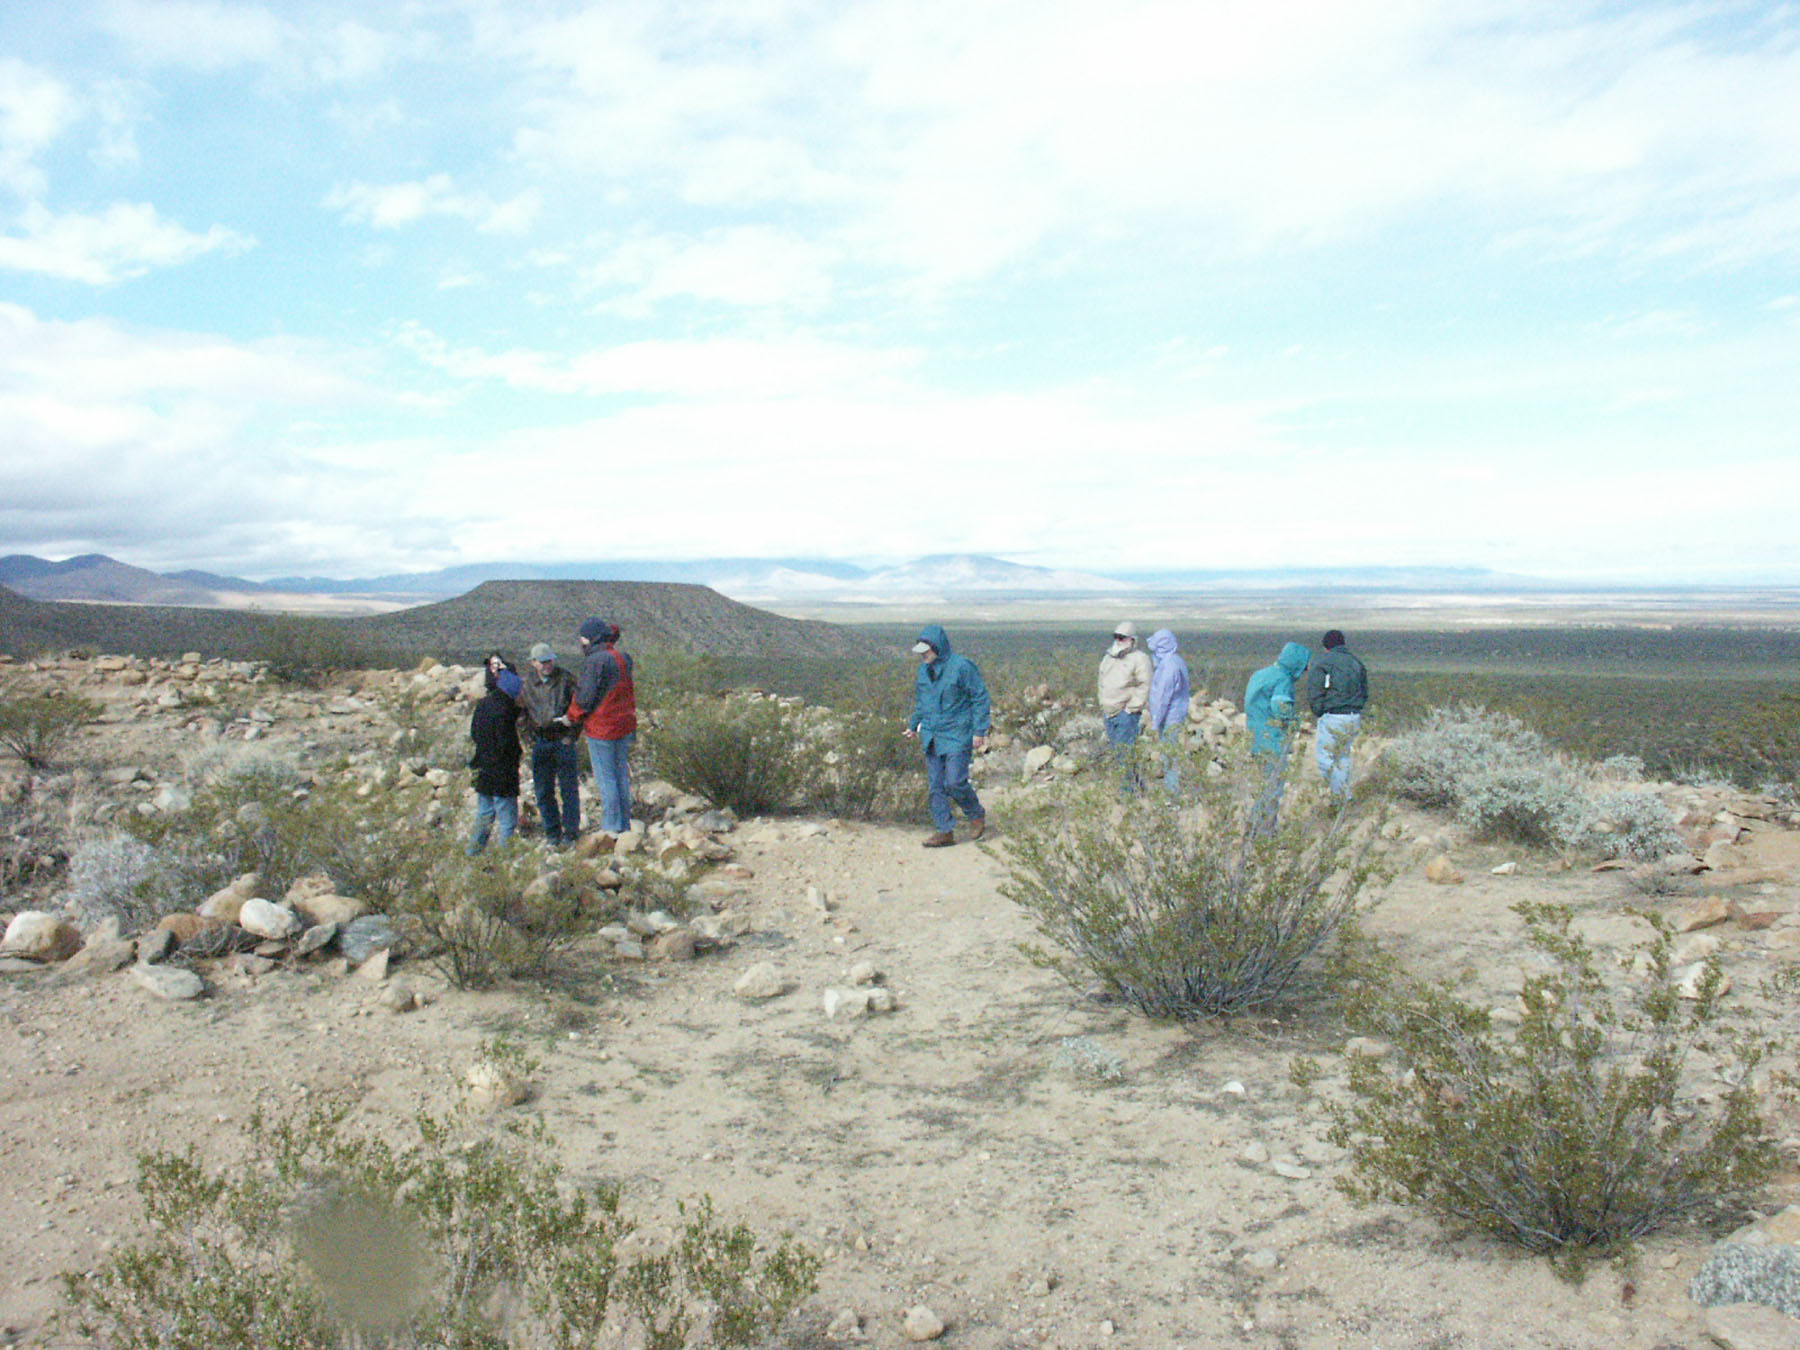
pixel 555 763
pixel 1124 693
pixel 951 718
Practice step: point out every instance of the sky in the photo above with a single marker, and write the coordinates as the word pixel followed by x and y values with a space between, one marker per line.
pixel 355 288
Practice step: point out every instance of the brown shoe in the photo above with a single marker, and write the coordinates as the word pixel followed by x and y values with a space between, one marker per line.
pixel 942 839
pixel 977 828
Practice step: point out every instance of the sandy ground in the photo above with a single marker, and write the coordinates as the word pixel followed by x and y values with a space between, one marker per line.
pixel 951 1153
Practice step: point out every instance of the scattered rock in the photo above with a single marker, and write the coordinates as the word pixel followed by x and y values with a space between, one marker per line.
pixel 1440 871
pixel 494 1087
pixel 675 946
pixel 1505 869
pixel 40 937
pixel 1749 1326
pixel 265 919
pixel 101 955
pixel 846 1326
pixel 399 996
pixel 1688 979
pixel 375 969
pixel 315 939
pixel 1293 1171
pixel 922 1324
pixel 328 908
pixel 1256 1153
pixel 1038 758
pixel 1710 911
pixel 864 972
pixel 761 981
pixel 365 935
pixel 171 982
pixel 155 945
pixel 1263 1258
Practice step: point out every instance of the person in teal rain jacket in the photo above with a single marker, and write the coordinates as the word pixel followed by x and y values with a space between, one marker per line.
pixel 1269 709
pixel 951 717
pixel 1269 700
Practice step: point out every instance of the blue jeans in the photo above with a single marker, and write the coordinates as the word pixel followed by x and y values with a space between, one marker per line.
pixel 488 811
pixel 1337 733
pixel 1122 732
pixel 554 766
pixel 1171 765
pixel 612 776
pixel 946 781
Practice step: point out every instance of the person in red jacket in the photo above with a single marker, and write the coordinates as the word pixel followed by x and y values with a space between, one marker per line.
pixel 605 708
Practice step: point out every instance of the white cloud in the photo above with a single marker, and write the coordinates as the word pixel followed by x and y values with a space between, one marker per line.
pixel 125 240
pixel 949 142
pixel 394 205
pixel 751 266
pixel 207 35
pixel 702 369
pixel 35 109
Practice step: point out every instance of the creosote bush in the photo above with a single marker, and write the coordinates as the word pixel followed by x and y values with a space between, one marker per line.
pixel 1181 905
pixel 34 728
pixel 1628 825
pixel 492 917
pixel 736 752
pixel 461 1240
pixel 1569 1134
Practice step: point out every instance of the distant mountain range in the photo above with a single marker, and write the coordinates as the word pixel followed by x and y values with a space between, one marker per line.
pixel 941 577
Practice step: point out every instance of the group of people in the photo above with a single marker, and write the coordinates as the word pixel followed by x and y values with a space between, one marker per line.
pixel 952 714
pixel 553 709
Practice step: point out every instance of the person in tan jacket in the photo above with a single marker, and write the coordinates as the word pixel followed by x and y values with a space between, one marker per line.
pixel 1124 691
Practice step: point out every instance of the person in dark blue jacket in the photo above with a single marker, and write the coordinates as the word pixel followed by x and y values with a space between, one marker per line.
pixel 951 717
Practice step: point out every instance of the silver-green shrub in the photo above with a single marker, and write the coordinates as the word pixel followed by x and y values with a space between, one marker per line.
pixel 1497 775
pixel 1628 825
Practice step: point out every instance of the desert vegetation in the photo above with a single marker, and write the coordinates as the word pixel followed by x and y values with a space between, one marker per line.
pixel 242 831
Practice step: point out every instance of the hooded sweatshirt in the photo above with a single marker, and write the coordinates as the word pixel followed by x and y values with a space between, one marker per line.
pixel 1269 699
pixel 950 701
pixel 1169 689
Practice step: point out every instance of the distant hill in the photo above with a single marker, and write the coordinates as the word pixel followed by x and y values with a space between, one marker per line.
pixel 508 615
pixel 94 576
pixel 511 615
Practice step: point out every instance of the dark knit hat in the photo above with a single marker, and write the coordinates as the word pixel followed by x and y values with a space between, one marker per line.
pixel 1332 639
pixel 508 683
pixel 598 630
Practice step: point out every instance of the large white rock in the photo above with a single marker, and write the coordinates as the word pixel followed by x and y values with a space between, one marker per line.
pixel 266 919
pixel 761 981
pixel 170 982
pixel 41 936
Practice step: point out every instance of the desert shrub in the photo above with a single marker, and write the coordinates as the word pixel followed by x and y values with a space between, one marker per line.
pixel 860 766
pixel 1498 776
pixel 736 752
pixel 307 651
pixel 1628 825
pixel 34 728
pixel 118 876
pixel 340 1239
pixel 1567 1134
pixel 1628 768
pixel 1187 906
pixel 491 917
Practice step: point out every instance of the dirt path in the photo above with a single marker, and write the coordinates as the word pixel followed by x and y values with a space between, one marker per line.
pixel 961 1151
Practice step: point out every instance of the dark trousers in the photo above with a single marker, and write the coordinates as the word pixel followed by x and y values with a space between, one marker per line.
pixel 555 767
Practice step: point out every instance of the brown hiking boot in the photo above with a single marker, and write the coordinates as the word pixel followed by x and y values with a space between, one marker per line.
pixel 942 839
pixel 977 828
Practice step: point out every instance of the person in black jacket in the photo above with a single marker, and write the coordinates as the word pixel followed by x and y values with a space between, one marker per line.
pixel 1337 688
pixel 494 728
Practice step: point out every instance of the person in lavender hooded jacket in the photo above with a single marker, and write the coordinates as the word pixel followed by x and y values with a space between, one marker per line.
pixel 1169 694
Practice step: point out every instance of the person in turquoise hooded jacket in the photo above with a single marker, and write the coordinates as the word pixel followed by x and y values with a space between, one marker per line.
pixel 1269 709
pixel 951 717
pixel 1269 700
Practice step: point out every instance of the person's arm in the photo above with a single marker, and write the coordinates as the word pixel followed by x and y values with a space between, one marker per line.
pixel 1137 691
pixel 980 706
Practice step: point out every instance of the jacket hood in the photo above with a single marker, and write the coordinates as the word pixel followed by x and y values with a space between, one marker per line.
pixel 1163 643
pixel 599 630
pixel 937 637
pixel 1294 657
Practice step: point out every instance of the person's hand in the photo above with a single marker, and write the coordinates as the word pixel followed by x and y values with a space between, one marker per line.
pixel 980 743
pixel 909 733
